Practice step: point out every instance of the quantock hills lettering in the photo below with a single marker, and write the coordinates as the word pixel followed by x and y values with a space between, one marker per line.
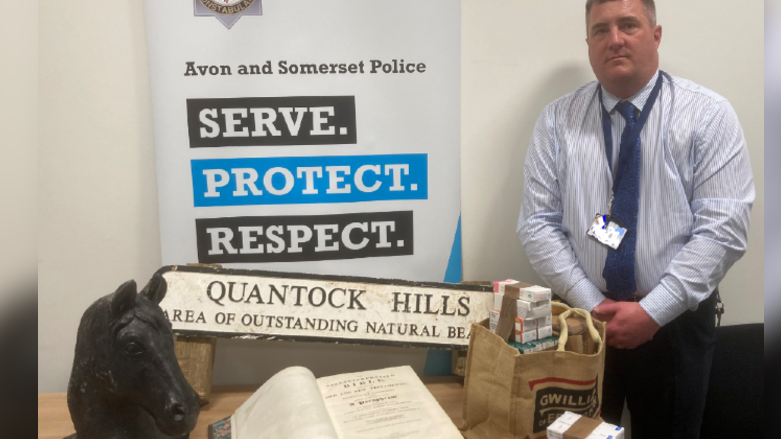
pixel 227 292
pixel 242 292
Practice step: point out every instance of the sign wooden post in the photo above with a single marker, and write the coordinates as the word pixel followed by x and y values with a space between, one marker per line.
pixel 458 360
pixel 196 359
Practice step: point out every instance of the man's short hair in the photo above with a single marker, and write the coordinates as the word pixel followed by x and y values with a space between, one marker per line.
pixel 649 5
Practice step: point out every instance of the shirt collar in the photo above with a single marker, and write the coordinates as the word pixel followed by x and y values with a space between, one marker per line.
pixel 638 99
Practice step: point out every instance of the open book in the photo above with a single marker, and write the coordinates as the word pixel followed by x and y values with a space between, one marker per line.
pixel 382 404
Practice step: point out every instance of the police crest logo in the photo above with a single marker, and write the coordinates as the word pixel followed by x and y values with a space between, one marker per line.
pixel 227 11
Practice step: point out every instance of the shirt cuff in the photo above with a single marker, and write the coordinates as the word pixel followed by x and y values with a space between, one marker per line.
pixel 585 295
pixel 662 305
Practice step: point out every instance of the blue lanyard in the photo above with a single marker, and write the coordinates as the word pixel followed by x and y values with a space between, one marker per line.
pixel 624 156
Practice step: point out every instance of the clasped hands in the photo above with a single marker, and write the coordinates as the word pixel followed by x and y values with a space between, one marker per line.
pixel 628 325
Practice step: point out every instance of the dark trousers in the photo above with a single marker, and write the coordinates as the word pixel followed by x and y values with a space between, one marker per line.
pixel 664 381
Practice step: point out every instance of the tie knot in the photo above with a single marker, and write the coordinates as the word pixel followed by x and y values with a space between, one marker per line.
pixel 627 110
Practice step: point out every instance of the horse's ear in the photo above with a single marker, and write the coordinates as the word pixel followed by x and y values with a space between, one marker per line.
pixel 155 289
pixel 124 298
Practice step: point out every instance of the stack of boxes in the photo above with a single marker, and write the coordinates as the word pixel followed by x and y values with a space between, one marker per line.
pixel 573 426
pixel 533 321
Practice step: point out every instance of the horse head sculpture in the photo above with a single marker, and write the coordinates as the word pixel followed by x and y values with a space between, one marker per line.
pixel 126 382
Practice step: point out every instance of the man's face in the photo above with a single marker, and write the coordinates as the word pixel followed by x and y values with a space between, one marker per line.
pixel 622 45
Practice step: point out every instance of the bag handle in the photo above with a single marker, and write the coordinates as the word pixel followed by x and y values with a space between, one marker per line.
pixel 560 305
pixel 565 329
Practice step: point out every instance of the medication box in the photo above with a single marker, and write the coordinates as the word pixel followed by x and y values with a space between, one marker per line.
pixel 574 426
pixel 533 293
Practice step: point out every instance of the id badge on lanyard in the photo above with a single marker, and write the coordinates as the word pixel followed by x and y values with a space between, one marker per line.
pixel 607 229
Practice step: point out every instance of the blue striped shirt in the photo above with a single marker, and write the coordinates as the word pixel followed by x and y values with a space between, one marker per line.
pixel 696 193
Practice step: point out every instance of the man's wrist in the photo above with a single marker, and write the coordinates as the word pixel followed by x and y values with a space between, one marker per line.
pixel 662 305
pixel 585 295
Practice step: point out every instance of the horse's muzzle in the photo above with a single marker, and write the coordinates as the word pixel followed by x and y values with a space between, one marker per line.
pixel 181 415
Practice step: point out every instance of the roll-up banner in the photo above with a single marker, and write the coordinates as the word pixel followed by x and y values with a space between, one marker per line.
pixel 312 136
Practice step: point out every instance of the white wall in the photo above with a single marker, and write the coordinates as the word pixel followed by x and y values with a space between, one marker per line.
pixel 97 186
pixel 19 152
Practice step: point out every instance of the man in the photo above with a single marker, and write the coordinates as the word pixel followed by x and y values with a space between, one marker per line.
pixel 661 162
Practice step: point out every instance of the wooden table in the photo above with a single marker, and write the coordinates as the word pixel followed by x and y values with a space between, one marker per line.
pixel 54 420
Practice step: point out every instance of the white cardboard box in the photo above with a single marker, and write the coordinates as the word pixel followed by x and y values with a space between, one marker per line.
pixel 493 319
pixel 568 419
pixel 525 336
pixel 499 285
pixel 533 310
pixel 535 293
pixel 545 321
pixel 545 331
pixel 561 425
pixel 525 324
pixel 498 301
pixel 607 431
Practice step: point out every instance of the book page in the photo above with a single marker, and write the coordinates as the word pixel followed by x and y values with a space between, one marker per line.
pixel 385 404
pixel 287 406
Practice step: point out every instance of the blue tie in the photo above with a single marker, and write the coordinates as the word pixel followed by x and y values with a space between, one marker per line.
pixel 619 272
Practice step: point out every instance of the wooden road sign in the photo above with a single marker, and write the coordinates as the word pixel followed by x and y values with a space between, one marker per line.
pixel 220 302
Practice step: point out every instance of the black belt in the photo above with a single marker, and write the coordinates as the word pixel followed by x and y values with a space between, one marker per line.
pixel 634 298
